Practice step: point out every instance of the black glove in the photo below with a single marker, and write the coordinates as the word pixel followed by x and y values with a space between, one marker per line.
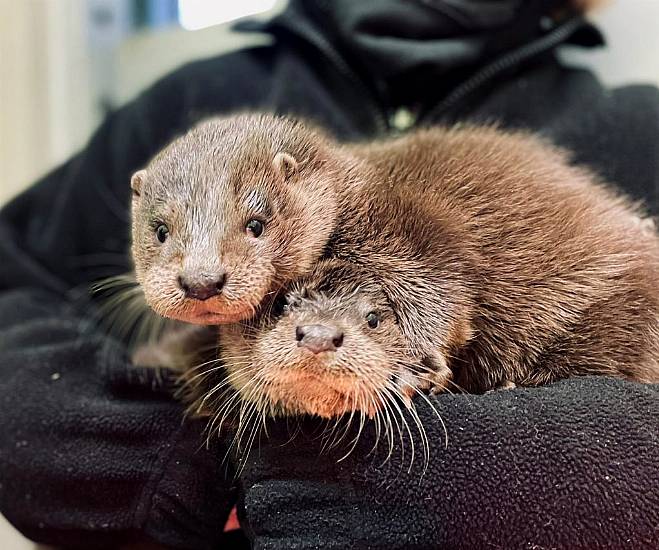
pixel 568 466
pixel 91 453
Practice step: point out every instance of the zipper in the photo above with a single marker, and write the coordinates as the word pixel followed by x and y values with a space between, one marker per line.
pixel 402 119
pixel 380 114
pixel 547 42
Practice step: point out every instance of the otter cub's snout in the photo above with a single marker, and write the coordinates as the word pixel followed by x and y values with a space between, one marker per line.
pixel 202 287
pixel 319 338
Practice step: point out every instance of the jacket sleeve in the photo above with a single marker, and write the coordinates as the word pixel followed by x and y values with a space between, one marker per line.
pixel 88 452
pixel 574 465
pixel 91 453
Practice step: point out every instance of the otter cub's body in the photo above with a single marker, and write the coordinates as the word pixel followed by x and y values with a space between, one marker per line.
pixel 556 274
pixel 501 262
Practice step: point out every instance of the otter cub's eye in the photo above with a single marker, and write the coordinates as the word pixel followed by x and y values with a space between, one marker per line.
pixel 162 231
pixel 373 319
pixel 280 307
pixel 255 227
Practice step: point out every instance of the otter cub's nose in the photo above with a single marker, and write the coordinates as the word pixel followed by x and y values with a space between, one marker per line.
pixel 319 338
pixel 202 288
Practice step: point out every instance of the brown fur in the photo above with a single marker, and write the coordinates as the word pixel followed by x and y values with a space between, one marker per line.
pixel 557 274
pixel 501 261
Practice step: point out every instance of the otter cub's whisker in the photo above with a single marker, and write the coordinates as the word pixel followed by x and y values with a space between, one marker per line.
pixel 123 312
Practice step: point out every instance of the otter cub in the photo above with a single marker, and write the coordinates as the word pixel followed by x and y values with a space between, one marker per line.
pixel 224 216
pixel 329 346
pixel 503 263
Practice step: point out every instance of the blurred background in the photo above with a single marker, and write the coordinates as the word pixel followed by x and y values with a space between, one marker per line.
pixel 65 63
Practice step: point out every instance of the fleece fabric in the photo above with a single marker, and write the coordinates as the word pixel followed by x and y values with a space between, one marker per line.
pixel 94 452
pixel 85 461
pixel 573 466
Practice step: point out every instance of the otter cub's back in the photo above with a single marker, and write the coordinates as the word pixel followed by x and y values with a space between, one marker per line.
pixel 563 270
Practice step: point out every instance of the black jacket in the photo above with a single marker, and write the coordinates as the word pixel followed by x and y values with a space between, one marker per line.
pixel 89 453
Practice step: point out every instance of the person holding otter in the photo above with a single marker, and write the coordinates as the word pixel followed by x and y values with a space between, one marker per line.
pixel 92 452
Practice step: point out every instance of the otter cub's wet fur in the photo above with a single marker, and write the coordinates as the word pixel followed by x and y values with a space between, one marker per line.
pixel 501 262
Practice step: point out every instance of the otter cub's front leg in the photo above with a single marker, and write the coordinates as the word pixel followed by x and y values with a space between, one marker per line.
pixel 180 348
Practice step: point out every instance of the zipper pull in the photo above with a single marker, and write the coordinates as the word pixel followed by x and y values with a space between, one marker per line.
pixel 402 119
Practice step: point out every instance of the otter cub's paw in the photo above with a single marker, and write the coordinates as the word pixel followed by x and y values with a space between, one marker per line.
pixel 441 381
pixel 503 385
pixel 440 375
pixel 179 348
pixel 154 356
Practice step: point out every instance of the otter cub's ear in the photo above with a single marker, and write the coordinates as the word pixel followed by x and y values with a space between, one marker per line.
pixel 137 181
pixel 285 165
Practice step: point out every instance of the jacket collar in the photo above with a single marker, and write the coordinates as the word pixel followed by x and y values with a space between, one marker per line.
pixel 424 51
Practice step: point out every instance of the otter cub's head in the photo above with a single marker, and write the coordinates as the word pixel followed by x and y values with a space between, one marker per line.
pixel 331 346
pixel 229 212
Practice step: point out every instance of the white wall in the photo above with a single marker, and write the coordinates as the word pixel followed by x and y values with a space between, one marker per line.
pixel 10 539
pixel 632 31
pixel 46 108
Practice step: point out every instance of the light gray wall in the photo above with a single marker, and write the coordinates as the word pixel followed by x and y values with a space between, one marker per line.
pixel 631 28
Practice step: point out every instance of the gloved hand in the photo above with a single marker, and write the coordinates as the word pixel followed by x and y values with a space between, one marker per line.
pixel 92 452
pixel 569 466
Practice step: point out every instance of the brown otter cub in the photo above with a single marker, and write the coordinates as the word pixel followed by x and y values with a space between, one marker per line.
pixel 331 345
pixel 221 217
pixel 502 263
